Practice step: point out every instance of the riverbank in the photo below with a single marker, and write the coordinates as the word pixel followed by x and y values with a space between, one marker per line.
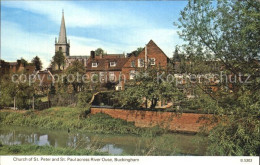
pixel 70 119
pixel 44 150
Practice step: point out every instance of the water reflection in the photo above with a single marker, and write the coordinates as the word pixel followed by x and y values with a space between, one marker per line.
pixel 172 144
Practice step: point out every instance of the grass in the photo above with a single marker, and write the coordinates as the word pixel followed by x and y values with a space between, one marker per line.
pixel 68 118
pixel 44 150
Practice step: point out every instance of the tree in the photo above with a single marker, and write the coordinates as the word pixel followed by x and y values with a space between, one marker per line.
pixel 15 93
pixel 59 59
pixel 76 70
pixel 24 62
pixel 37 63
pixel 146 90
pixel 228 32
pixel 137 51
pixel 99 51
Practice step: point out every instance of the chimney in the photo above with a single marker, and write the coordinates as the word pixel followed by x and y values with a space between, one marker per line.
pixel 92 54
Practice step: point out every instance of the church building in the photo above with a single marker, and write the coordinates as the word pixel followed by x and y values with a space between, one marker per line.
pixel 63 45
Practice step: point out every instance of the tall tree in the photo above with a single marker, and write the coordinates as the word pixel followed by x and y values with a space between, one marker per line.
pixel 59 59
pixel 37 63
pixel 228 32
pixel 77 71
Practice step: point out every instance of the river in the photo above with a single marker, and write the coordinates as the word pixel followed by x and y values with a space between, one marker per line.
pixel 167 144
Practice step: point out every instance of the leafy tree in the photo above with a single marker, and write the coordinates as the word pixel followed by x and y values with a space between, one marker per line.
pixel 99 51
pixel 75 73
pixel 15 93
pixel 228 32
pixel 137 51
pixel 24 62
pixel 37 62
pixel 59 59
pixel 146 90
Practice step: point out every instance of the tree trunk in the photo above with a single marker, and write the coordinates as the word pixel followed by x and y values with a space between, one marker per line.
pixel 14 103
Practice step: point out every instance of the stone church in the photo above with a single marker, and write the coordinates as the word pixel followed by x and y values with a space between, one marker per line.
pixel 63 45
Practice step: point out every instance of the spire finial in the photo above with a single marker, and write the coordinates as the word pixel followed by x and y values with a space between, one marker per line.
pixel 62 11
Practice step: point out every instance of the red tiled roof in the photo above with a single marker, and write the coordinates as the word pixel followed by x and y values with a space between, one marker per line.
pixel 106 61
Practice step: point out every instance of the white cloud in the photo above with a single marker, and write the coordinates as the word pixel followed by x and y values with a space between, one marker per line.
pixel 17 43
pixel 79 16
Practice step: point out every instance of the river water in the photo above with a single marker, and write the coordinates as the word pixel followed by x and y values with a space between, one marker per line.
pixel 167 144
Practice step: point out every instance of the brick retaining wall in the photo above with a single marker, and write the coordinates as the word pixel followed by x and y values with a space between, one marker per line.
pixel 185 122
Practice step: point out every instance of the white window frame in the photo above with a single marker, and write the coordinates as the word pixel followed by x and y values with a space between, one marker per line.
pixel 140 62
pixel 111 76
pixel 150 61
pixel 132 74
pixel 94 64
pixel 112 64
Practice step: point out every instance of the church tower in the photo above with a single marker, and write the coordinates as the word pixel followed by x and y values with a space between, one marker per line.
pixel 62 44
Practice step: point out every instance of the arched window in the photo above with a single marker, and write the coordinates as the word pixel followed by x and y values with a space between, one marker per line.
pixel 60 49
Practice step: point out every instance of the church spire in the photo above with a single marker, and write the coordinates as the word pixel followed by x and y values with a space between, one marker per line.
pixel 62 36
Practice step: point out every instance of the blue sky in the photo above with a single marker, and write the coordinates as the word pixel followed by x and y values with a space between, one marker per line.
pixel 29 28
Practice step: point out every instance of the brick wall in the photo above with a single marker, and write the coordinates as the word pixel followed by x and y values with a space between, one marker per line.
pixel 185 122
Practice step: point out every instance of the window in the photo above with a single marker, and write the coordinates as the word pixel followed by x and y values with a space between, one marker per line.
pixel 60 49
pixel 140 62
pixel 132 63
pixel 94 64
pixel 112 63
pixel 132 74
pixel 102 76
pixel 111 76
pixel 152 61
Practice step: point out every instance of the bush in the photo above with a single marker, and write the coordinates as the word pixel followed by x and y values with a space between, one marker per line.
pixel 84 99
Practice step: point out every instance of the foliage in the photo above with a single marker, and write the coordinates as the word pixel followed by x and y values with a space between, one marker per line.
pixel 37 62
pixel 75 76
pixel 227 32
pixel 58 59
pixel 137 51
pixel 84 99
pixel 64 118
pixel 45 150
pixel 99 51
pixel 21 92
pixel 24 62
pixel 148 87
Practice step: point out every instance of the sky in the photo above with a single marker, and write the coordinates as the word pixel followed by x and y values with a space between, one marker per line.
pixel 29 28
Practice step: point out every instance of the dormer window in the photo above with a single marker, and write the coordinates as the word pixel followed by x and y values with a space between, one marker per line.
pixel 112 64
pixel 94 64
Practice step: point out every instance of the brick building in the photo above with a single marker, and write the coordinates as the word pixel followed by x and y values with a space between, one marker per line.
pixel 15 67
pixel 118 68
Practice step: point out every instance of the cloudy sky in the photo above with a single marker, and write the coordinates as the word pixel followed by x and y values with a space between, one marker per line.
pixel 29 28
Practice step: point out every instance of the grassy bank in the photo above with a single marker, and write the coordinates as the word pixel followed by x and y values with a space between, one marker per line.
pixel 44 150
pixel 68 118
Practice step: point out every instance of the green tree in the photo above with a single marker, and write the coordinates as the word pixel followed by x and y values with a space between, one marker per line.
pixel 16 93
pixel 146 90
pixel 76 71
pixel 37 63
pixel 228 32
pixel 137 51
pixel 24 62
pixel 99 51
pixel 59 59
